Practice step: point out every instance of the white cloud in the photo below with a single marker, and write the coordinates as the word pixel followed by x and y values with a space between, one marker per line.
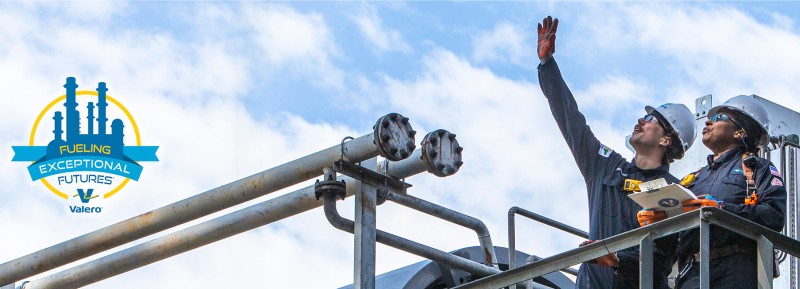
pixel 513 151
pixel 383 39
pixel 719 50
pixel 507 43
pixel 297 41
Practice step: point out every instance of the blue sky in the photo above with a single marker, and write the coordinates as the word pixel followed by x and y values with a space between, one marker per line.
pixel 228 89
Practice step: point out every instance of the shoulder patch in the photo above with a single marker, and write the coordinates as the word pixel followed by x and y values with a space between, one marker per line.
pixel 605 151
pixel 775 171
pixel 737 171
pixel 777 182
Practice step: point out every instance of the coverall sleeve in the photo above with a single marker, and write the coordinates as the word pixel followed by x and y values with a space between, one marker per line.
pixel 585 148
pixel 771 205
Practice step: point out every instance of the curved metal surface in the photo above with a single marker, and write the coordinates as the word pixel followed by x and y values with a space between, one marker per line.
pixel 429 275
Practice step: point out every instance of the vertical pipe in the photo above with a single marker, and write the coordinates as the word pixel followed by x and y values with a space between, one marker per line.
pixel 365 232
pixel 646 262
pixel 764 263
pixel 512 243
pixel 705 229
pixel 791 174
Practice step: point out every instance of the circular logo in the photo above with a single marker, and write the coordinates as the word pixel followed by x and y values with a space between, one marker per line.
pixel 80 150
pixel 668 202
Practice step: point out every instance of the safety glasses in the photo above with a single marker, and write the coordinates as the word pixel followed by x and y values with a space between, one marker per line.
pixel 723 117
pixel 719 117
pixel 650 118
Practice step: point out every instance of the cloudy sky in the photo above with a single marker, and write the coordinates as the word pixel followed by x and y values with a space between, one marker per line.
pixel 230 89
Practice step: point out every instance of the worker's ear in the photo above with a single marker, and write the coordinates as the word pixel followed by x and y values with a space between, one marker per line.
pixel 740 134
pixel 665 141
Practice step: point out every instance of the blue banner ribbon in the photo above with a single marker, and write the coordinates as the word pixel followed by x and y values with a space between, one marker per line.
pixel 85 163
pixel 34 153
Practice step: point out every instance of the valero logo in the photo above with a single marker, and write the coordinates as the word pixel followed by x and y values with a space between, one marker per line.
pixel 83 163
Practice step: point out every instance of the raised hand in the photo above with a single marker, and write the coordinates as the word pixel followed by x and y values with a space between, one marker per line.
pixel 546 44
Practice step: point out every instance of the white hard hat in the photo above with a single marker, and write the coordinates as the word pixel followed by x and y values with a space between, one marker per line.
pixel 681 120
pixel 753 109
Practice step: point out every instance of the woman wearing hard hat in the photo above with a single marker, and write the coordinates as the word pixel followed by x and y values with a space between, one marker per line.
pixel 733 132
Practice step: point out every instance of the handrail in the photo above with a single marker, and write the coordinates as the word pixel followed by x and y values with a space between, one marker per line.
pixel 766 238
pixel 512 258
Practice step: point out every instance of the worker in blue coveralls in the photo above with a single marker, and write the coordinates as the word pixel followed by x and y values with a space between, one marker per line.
pixel 658 138
pixel 739 182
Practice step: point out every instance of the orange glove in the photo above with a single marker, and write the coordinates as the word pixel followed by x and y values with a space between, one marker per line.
pixel 701 201
pixel 609 260
pixel 547 38
pixel 647 217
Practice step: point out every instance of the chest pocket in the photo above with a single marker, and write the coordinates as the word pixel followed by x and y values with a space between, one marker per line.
pixel 733 189
pixel 609 200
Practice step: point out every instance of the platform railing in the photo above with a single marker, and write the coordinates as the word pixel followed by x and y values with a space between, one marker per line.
pixel 766 240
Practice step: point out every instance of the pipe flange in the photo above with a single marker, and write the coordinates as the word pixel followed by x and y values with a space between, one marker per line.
pixel 337 188
pixel 394 137
pixel 441 152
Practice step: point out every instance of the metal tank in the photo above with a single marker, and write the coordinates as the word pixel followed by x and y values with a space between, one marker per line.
pixel 432 275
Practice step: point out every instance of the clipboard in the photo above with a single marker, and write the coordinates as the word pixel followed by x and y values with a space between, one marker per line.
pixel 657 195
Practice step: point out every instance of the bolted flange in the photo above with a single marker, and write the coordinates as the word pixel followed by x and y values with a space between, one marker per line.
pixel 441 152
pixel 331 186
pixel 394 137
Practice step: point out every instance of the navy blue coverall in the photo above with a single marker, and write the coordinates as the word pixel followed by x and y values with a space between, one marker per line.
pixel 611 212
pixel 734 265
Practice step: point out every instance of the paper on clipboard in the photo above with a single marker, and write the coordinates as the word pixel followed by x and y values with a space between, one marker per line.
pixel 659 196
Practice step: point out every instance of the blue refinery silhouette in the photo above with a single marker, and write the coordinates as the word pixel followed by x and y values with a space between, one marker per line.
pixel 94 144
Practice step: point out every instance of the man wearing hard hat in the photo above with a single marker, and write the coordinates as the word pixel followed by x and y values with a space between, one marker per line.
pixel 658 138
pixel 739 182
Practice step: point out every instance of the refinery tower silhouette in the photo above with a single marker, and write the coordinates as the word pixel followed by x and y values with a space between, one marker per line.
pixel 91 143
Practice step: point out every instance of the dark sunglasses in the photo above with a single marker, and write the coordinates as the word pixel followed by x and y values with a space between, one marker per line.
pixel 719 117
pixel 722 117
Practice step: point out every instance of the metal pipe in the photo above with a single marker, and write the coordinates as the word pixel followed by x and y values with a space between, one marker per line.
pixel 452 216
pixel 184 240
pixel 193 237
pixel 409 166
pixel 407 245
pixel 512 258
pixel 185 210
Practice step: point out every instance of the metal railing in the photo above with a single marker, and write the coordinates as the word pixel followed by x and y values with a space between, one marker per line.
pixel 512 243
pixel 765 238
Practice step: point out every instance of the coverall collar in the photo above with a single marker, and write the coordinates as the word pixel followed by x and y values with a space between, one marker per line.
pixel 631 167
pixel 726 157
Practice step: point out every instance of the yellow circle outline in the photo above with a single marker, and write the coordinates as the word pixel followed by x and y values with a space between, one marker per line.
pixel 90 93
